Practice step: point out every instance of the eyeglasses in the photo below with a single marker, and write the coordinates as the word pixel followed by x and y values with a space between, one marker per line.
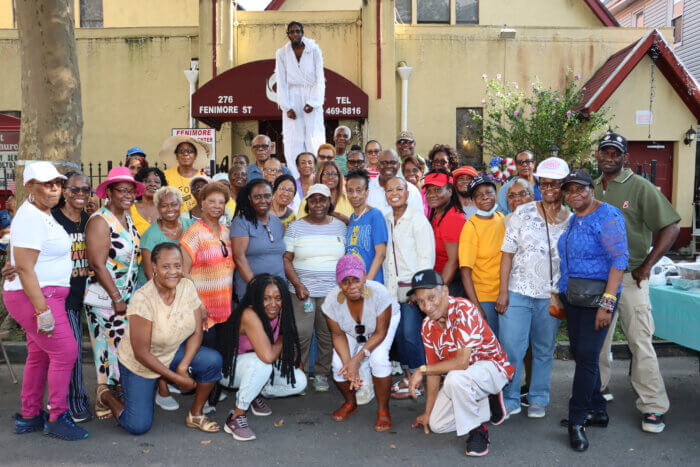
pixel 269 233
pixel 266 197
pixel 125 191
pixel 401 142
pixel 550 185
pixel 52 183
pixel 388 163
pixel 373 151
pixel 526 161
pixel 330 174
pixel 360 331
pixel 76 190
pixel 186 151
pixel 290 191
pixel 355 162
pixel 519 194
pixel 260 146
pixel 272 171
pixel 155 182
pixel 224 250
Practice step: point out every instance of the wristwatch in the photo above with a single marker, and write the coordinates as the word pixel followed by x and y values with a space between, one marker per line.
pixel 366 352
pixel 423 369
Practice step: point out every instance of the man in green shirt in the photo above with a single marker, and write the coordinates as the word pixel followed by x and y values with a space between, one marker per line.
pixel 647 212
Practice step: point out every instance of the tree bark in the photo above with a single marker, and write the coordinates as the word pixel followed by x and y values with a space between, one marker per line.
pixel 52 116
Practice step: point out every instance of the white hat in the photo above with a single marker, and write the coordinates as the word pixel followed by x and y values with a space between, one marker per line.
pixel 220 177
pixel 41 171
pixel 318 189
pixel 198 177
pixel 553 168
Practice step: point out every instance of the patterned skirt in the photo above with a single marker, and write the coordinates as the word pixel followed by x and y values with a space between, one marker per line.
pixel 106 331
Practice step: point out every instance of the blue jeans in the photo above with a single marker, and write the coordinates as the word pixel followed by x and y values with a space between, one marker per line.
pixel 527 321
pixel 491 316
pixel 408 340
pixel 585 343
pixel 140 392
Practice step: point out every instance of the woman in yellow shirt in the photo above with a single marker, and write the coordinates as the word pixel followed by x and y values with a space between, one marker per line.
pixel 480 250
pixel 144 211
pixel 186 157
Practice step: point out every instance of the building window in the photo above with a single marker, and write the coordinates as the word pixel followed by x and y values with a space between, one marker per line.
pixel 467 11
pixel 639 20
pixel 403 11
pixel 469 133
pixel 677 29
pixel 434 11
pixel 91 14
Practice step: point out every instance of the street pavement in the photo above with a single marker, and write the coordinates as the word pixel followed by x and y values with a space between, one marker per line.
pixel 301 432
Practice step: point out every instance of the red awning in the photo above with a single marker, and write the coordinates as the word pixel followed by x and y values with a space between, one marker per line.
pixel 8 123
pixel 249 92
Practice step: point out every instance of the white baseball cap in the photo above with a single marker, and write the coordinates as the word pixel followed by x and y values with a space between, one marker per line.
pixel 318 189
pixel 553 167
pixel 41 171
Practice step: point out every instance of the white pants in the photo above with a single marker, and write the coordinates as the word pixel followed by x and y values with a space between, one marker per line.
pixel 252 378
pixel 305 133
pixel 378 361
pixel 462 404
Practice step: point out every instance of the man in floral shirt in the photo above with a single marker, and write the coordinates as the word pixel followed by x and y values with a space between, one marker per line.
pixel 459 345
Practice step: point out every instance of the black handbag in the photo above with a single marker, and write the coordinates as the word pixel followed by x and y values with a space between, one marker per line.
pixel 580 291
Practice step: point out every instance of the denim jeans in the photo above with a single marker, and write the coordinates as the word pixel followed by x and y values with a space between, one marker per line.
pixel 408 340
pixel 527 321
pixel 252 378
pixel 491 316
pixel 139 392
pixel 585 343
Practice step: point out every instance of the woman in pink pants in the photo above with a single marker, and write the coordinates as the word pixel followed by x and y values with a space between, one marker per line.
pixel 40 250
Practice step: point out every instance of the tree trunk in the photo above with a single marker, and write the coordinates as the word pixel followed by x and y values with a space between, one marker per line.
pixel 52 116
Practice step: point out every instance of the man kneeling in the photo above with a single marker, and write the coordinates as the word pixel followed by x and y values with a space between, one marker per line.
pixel 459 345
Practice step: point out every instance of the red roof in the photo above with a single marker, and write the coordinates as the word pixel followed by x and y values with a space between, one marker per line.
pixel 618 67
pixel 596 5
pixel 8 123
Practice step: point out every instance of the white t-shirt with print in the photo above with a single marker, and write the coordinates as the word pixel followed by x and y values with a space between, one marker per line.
pixel 36 230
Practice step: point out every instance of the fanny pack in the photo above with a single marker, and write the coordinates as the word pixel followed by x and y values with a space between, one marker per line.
pixel 580 291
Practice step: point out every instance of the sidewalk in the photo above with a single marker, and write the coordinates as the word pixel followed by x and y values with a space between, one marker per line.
pixel 306 435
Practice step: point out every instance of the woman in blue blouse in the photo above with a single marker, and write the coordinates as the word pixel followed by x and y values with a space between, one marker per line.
pixel 594 248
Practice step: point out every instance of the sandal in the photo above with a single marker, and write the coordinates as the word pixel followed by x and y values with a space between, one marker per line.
pixel 383 422
pixel 101 410
pixel 399 390
pixel 201 422
pixel 344 412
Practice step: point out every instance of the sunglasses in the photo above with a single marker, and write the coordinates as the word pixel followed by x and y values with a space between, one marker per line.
pixel 224 250
pixel 269 233
pixel 261 146
pixel 360 331
pixel 85 190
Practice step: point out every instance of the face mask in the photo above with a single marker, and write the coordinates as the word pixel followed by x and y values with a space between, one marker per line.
pixel 487 213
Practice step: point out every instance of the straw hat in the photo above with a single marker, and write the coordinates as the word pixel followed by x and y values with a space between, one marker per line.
pixel 167 151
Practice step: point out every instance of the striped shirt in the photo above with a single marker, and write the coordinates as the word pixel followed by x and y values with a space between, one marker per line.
pixel 211 272
pixel 317 249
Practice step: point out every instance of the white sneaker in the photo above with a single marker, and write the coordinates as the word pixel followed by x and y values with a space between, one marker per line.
pixel 321 383
pixel 536 411
pixel 365 394
pixel 515 411
pixel 396 368
pixel 208 409
pixel 222 396
pixel 174 389
pixel 167 403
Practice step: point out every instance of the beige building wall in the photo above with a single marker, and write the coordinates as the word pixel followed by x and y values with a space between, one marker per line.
pixel 671 120
pixel 133 87
pixel 321 5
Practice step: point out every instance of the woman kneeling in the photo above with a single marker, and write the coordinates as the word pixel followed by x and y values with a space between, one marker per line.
pixel 363 317
pixel 163 339
pixel 260 347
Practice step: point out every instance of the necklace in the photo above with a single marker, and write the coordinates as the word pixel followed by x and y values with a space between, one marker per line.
pixel 362 213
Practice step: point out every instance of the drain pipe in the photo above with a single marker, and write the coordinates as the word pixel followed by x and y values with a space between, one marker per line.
pixel 213 38
pixel 404 72
pixel 192 74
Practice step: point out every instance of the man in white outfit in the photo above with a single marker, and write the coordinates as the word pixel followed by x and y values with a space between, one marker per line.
pixel 301 90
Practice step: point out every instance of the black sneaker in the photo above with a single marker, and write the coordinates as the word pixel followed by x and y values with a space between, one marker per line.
pixel 653 422
pixel 478 441
pixel 498 409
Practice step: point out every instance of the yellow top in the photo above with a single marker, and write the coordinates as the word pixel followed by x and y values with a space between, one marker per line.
pixel 343 207
pixel 231 205
pixel 170 325
pixel 173 177
pixel 140 222
pixel 480 249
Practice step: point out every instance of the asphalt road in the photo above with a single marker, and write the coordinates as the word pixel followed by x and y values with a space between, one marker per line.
pixel 301 432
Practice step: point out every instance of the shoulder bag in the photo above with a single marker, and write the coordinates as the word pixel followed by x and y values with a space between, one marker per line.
pixel 556 307
pixel 580 291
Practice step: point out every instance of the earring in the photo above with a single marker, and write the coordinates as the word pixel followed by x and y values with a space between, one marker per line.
pixel 31 197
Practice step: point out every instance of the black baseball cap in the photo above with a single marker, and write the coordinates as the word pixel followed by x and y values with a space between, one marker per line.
pixel 478 181
pixel 578 176
pixel 613 140
pixel 425 279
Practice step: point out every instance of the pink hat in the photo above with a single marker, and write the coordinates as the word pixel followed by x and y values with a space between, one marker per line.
pixel 116 175
pixel 349 266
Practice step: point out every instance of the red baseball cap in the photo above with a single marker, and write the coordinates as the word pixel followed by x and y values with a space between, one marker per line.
pixel 437 179
pixel 465 170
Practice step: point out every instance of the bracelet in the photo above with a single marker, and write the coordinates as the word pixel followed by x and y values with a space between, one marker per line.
pixel 119 300
pixel 607 303
pixel 610 296
pixel 116 294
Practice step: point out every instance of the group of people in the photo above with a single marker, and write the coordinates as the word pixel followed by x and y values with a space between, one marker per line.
pixel 198 284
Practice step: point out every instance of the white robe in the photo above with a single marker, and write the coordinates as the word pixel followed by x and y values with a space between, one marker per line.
pixel 299 83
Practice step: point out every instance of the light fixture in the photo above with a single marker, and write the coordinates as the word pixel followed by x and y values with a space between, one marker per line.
pixel 507 33
pixel 248 138
pixel 689 136
pixel 554 150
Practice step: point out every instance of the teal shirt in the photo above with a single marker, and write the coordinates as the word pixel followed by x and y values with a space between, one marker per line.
pixel 152 237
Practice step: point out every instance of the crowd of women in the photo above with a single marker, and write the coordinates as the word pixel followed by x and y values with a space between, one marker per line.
pixel 196 284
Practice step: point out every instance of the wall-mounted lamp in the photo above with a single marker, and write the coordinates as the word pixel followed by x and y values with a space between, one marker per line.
pixel 554 150
pixel 248 138
pixel 689 136
pixel 507 33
